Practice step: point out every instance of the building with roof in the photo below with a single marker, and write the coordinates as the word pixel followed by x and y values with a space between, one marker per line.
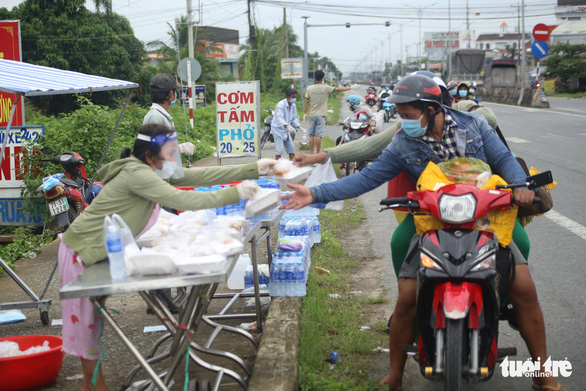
pixel 227 44
pixel 570 10
pixel 572 32
pixel 500 40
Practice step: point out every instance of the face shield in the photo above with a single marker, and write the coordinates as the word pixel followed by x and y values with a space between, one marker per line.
pixel 169 154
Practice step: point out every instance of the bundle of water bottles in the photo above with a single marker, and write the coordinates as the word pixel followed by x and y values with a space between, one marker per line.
pixel 238 209
pixel 298 231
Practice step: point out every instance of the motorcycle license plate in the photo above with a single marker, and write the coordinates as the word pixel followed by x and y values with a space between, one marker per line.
pixel 59 206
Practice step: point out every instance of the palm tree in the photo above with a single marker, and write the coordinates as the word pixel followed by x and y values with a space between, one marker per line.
pixel 106 4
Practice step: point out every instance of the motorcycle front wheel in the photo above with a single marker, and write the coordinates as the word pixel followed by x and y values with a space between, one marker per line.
pixel 264 138
pixel 454 355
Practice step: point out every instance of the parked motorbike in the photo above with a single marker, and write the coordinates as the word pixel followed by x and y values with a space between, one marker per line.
pixel 266 134
pixel 355 129
pixel 458 299
pixel 65 192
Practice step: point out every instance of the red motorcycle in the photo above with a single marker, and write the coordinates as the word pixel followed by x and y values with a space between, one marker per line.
pixel 371 99
pixel 68 194
pixel 458 302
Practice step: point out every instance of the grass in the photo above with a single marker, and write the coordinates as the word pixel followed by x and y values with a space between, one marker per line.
pixel 567 94
pixel 332 324
pixel 334 104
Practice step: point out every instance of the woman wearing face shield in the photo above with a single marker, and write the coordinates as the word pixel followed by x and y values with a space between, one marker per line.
pixel 135 187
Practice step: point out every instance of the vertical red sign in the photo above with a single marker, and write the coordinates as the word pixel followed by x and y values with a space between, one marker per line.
pixel 10 49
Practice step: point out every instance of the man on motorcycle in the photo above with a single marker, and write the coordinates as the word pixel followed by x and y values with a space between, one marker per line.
pixel 431 132
pixel 382 95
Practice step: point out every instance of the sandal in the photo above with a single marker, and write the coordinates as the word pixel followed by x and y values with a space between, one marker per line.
pixel 558 387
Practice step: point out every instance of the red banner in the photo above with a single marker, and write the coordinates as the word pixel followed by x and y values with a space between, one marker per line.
pixel 10 50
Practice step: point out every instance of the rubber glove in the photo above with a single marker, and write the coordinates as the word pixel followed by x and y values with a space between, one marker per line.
pixel 247 190
pixel 187 148
pixel 265 166
pixel 304 117
pixel 355 86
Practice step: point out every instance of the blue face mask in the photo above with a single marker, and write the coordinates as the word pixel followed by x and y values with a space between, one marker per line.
pixel 463 93
pixel 412 127
pixel 361 117
pixel 453 92
pixel 174 100
pixel 293 100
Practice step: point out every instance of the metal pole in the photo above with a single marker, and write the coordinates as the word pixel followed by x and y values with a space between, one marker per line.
pixel 449 40
pixel 190 51
pixel 523 60
pixel 305 56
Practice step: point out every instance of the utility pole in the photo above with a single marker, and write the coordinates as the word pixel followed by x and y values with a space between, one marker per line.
pixel 449 41
pixel 467 26
pixel 190 87
pixel 522 47
pixel 286 40
pixel 305 57
pixel 251 38
pixel 419 15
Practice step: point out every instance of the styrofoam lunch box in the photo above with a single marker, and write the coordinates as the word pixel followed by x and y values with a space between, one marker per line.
pixel 265 200
pixel 297 174
pixel 201 265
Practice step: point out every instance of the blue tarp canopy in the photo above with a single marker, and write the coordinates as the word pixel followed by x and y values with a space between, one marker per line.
pixel 35 80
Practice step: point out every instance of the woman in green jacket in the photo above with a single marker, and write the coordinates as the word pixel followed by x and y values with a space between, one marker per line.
pixel 135 187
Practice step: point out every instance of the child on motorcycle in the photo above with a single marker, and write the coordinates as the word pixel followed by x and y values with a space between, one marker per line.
pixel 429 133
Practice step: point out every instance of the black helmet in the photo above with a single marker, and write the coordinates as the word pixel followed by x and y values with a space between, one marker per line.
pixel 415 88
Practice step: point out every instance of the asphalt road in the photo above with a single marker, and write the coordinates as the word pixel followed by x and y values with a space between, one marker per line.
pixel 549 139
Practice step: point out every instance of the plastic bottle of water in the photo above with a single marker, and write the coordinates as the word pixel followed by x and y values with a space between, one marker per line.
pixel 304 138
pixel 275 278
pixel 248 277
pixel 289 275
pixel 300 289
pixel 115 253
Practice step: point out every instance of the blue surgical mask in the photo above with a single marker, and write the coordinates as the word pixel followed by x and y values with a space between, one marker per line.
pixel 412 127
pixel 463 93
pixel 167 170
pixel 293 100
pixel 174 101
pixel 361 117
pixel 453 92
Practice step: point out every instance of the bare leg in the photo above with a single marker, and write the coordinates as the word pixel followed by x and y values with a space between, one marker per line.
pixel 88 367
pixel 401 332
pixel 317 144
pixel 277 157
pixel 291 156
pixel 531 325
pixel 311 140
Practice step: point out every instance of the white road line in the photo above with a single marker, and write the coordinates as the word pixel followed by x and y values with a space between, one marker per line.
pixel 567 223
pixel 517 140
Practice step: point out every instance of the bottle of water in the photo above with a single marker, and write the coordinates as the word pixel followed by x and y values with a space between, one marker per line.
pixel 304 138
pixel 316 230
pixel 248 277
pixel 300 289
pixel 289 280
pixel 275 275
pixel 115 254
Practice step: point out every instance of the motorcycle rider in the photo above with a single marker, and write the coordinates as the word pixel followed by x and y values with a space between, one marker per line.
pixel 382 95
pixel 432 132
pixel 462 92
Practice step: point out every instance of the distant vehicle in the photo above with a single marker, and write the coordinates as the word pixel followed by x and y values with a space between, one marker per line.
pixel 468 65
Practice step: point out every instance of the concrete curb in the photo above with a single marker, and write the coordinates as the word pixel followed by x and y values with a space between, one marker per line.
pixel 277 360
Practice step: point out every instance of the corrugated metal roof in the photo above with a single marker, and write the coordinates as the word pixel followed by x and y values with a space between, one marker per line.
pixel 570 27
pixel 35 80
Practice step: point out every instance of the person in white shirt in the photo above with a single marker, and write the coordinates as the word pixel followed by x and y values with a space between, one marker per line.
pixel 164 95
pixel 284 121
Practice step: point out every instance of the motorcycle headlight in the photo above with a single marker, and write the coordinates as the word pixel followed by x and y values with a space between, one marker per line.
pixel 427 262
pixel 488 263
pixel 457 209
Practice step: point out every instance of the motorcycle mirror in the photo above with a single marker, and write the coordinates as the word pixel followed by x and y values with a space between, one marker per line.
pixel 541 179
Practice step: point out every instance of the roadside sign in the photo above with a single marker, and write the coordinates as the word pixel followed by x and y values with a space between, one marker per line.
pixel 10 49
pixel 200 96
pixel 539 49
pixel 549 86
pixel 291 68
pixel 237 118
pixel 195 69
pixel 541 32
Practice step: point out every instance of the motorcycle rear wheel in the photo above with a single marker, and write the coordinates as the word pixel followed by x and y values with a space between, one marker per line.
pixel 264 138
pixel 454 356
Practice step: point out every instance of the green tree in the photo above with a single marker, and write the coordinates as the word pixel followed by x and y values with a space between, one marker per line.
pixel 66 35
pixel 567 62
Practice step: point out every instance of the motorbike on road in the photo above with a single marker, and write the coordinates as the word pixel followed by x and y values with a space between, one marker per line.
pixel 458 297
pixel 266 134
pixel 354 129
pixel 64 193
pixel 371 99
pixel 390 111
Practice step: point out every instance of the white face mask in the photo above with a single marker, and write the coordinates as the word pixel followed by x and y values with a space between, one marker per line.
pixel 167 170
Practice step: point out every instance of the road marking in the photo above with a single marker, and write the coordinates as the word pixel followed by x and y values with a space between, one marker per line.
pixel 517 140
pixel 567 223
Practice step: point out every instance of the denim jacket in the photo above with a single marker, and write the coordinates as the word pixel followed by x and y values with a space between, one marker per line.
pixel 475 138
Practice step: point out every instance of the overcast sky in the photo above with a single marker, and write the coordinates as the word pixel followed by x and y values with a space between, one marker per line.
pixel 352 49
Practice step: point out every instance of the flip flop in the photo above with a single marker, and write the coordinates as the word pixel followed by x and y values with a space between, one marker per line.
pixel 558 387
